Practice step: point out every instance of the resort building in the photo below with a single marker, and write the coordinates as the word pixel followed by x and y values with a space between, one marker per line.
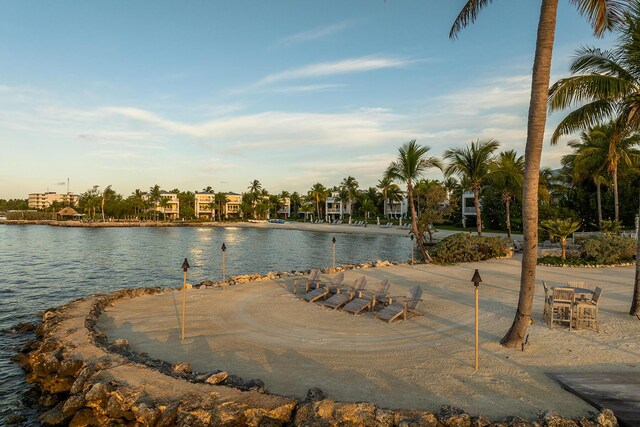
pixel 468 207
pixel 232 207
pixel 285 208
pixel 335 208
pixel 44 200
pixel 171 208
pixel 396 208
pixel 205 205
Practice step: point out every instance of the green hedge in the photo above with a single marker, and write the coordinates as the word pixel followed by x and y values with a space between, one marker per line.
pixel 464 247
pixel 608 249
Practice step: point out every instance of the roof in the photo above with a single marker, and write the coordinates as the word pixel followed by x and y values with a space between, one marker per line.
pixel 68 211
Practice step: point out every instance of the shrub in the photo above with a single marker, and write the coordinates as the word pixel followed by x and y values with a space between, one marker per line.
pixel 608 249
pixel 557 261
pixel 463 247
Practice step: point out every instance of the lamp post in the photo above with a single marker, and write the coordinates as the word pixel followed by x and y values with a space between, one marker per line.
pixel 476 279
pixel 412 261
pixel 224 249
pixel 333 258
pixel 185 267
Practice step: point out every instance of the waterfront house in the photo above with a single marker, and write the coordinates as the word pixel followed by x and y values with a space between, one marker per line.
pixel 204 205
pixel 284 208
pixel 468 208
pixel 232 207
pixel 396 208
pixel 336 208
pixel 172 208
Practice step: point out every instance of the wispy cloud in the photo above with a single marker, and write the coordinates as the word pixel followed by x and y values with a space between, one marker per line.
pixel 345 66
pixel 304 88
pixel 315 34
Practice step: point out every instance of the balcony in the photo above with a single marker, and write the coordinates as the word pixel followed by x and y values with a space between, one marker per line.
pixel 469 211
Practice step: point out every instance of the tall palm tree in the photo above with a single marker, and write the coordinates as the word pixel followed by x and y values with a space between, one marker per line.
pixel 584 166
pixel 154 197
pixel 221 199
pixel 603 15
pixel 106 194
pixel 318 193
pixel 351 185
pixel 471 164
pixel 505 175
pixel 254 186
pixel 412 162
pixel 164 204
pixel 343 198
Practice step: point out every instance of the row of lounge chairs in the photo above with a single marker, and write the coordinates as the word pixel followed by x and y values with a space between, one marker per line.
pixel 356 298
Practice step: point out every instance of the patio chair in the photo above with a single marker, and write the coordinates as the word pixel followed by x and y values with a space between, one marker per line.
pixel 575 284
pixel 325 288
pixel 363 301
pixel 393 311
pixel 343 296
pixel 548 297
pixel 587 311
pixel 562 304
pixel 312 280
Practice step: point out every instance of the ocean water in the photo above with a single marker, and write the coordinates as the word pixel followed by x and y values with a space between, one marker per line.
pixel 43 266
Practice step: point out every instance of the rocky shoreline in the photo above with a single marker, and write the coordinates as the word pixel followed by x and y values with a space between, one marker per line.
pixel 85 379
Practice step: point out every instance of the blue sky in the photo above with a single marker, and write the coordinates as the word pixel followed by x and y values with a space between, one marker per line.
pixel 189 94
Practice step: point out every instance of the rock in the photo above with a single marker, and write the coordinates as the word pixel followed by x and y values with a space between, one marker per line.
pixel 384 418
pixel 119 345
pixel 480 421
pixel 85 418
pixel 145 415
pixel 517 422
pixel 97 395
pixel 49 400
pixel 168 415
pixel 216 378
pixel 181 368
pixel 70 368
pixel 356 413
pixel 21 328
pixel 53 416
pixel 78 384
pixel 72 405
pixel 257 385
pixel 315 394
pixel 606 418
pixel 234 381
pixel 206 282
pixel 551 419
pixel 454 417
pixel 15 419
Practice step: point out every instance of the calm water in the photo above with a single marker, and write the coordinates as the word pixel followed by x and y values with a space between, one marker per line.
pixel 43 266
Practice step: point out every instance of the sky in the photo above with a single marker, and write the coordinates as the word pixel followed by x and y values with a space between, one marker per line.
pixel 190 94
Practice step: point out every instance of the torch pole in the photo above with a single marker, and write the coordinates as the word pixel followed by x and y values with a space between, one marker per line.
pixel 184 301
pixel 477 335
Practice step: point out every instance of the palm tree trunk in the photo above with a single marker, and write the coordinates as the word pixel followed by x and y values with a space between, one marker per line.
pixel 508 206
pixel 533 151
pixel 615 192
pixel 599 200
pixel 563 244
pixel 476 202
pixel 414 226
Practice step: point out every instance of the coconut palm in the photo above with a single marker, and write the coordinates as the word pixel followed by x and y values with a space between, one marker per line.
pixel 471 164
pixel 106 194
pixel 221 200
pixel 254 186
pixel 318 193
pixel 603 15
pixel 155 193
pixel 343 198
pixel 411 163
pixel 561 228
pixel 351 185
pixel 164 204
pixel 368 207
pixel 505 174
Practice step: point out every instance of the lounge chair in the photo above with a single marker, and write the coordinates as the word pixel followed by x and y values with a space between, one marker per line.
pixel 343 296
pixel 393 311
pixel 312 280
pixel 363 302
pixel 325 288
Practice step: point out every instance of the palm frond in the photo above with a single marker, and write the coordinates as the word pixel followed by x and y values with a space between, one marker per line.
pixel 583 118
pixel 467 15
pixel 585 88
pixel 604 15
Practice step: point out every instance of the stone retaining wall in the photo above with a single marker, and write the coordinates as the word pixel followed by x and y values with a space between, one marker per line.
pixel 87 380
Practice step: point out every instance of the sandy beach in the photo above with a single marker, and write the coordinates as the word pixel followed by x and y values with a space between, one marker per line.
pixel 263 330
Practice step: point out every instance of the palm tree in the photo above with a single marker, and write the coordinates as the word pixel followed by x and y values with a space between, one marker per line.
pixel 343 198
pixel 583 166
pixel 603 15
pixel 212 207
pixel 411 163
pixel 221 199
pixel 351 185
pixel 472 164
pixel 254 186
pixel 155 193
pixel 506 176
pixel 164 204
pixel 106 194
pixel 318 193
pixel 561 228
pixel 368 207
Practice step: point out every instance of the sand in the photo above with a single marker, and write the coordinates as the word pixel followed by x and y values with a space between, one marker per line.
pixel 263 330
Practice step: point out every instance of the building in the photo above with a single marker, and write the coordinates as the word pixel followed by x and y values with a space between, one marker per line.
pixel 396 209
pixel 335 208
pixel 44 200
pixel 172 208
pixel 232 207
pixel 285 208
pixel 204 205
pixel 468 207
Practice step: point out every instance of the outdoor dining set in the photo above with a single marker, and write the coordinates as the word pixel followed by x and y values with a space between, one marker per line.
pixel 573 304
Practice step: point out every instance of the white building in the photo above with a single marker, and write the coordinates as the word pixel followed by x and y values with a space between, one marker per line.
pixel 285 208
pixel 44 200
pixel 396 209
pixel 336 208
